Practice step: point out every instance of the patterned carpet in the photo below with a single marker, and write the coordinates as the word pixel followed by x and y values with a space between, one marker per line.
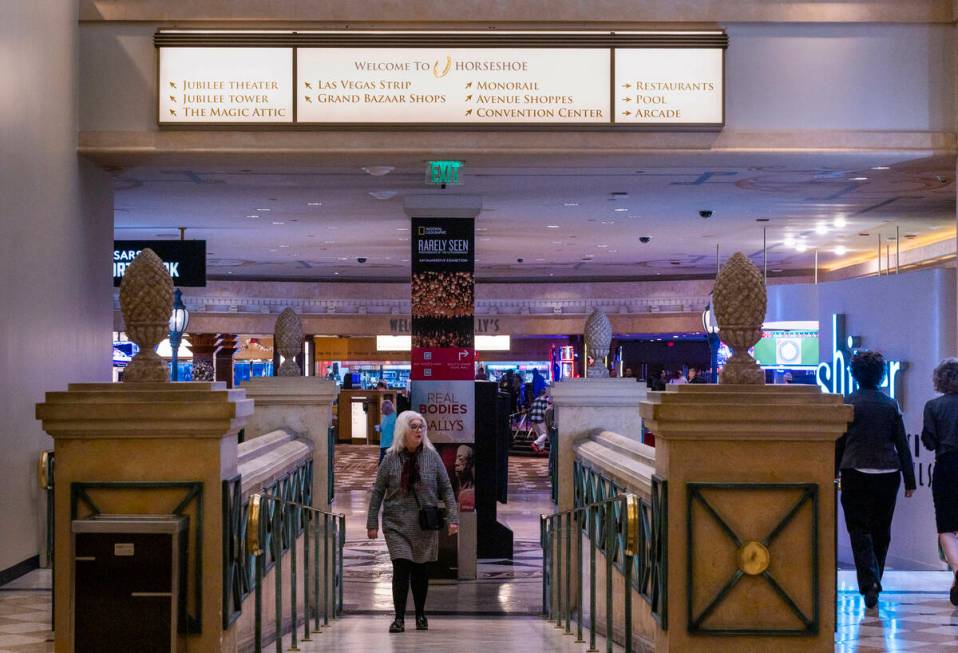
pixel 356 468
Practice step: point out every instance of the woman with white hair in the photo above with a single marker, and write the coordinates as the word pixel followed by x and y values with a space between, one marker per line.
pixel 409 484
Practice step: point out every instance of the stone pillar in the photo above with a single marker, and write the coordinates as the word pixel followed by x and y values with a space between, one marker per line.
pixel 584 405
pixel 142 435
pixel 203 346
pixel 747 474
pixel 302 405
pixel 227 344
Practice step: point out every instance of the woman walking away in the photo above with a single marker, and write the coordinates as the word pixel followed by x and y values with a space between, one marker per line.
pixel 386 428
pixel 409 483
pixel 940 434
pixel 872 457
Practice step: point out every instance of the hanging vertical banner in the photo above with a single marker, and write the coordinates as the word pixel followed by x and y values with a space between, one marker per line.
pixel 443 301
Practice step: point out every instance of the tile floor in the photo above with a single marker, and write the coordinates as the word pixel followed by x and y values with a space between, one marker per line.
pixel 913 613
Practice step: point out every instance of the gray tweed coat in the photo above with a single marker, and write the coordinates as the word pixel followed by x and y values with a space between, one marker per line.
pixel 401 529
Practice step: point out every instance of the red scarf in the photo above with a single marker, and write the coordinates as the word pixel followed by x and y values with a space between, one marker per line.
pixel 410 470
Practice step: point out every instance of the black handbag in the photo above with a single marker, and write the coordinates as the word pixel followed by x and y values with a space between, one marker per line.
pixel 430 517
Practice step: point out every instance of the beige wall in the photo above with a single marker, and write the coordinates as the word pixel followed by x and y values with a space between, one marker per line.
pixel 57 230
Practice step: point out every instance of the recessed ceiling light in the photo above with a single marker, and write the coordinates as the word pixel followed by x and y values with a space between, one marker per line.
pixel 540 259
pixel 839 221
pixel 284 246
pixel 314 203
pixel 404 260
pixel 570 204
pixel 263 210
pixel 841 250
pixel 336 273
pixel 378 171
pixel 277 222
pixel 880 168
pixel 252 216
pixel 402 229
pixel 859 178
pixel 383 194
pixel 552 226
pixel 789 241
pixel 620 209
pixel 821 229
pixel 777 270
pixel 602 246
pixel 343 258
pixel 801 247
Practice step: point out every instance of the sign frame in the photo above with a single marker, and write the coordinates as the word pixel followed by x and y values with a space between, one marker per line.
pixel 296 40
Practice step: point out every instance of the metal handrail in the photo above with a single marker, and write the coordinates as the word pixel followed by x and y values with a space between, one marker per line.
pixel 289 518
pixel 557 599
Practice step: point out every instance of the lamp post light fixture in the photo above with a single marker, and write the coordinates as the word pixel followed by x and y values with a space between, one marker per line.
pixel 710 326
pixel 179 320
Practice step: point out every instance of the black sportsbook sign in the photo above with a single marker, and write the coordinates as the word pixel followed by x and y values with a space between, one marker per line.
pixel 184 259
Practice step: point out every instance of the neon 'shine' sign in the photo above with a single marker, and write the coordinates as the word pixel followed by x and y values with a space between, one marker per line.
pixel 836 376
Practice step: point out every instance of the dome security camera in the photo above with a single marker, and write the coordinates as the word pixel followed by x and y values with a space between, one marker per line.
pixel 361 259
pixel 645 239
pixel 705 214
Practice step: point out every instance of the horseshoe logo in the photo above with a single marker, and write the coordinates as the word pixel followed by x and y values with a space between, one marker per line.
pixel 445 71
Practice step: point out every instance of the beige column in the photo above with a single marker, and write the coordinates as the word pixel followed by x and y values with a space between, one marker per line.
pixel 302 405
pixel 586 405
pixel 138 434
pixel 748 473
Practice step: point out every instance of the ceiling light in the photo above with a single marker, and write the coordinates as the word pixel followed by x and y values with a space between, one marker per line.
pixel 378 171
pixel 821 229
pixel 601 245
pixel 839 221
pixel 314 203
pixel 274 250
pixel 552 226
pixel 880 168
pixel 263 210
pixel 859 178
pixel 841 250
pixel 336 273
pixel 275 222
pixel 383 194
pixel 402 229
pixel 789 241
pixel 343 258
pixel 570 204
pixel 284 246
pixel 252 216
pixel 620 209
pixel 801 247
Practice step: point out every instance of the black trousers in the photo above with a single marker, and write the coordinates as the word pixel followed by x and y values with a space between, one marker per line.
pixel 406 573
pixel 869 504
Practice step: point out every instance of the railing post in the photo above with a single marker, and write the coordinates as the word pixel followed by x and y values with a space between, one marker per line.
pixel 316 569
pixel 578 566
pixel 278 569
pixel 258 605
pixel 292 514
pixel 307 516
pixel 568 573
pixel 557 589
pixel 591 518
pixel 342 545
pixel 609 532
pixel 327 570
pixel 544 544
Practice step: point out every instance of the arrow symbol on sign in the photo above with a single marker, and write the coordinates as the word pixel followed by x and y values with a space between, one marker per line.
pixel 463 354
pixel 308 85
pixel 172 98
pixel 627 86
pixel 469 112
pixel 308 98
pixel 626 113
pixel 626 99
pixel 172 112
pixel 468 97
pixel 469 85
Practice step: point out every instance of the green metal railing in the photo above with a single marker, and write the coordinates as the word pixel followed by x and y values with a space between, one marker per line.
pixel 321 581
pixel 612 526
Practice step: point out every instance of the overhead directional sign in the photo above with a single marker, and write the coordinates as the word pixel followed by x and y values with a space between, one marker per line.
pixel 463 79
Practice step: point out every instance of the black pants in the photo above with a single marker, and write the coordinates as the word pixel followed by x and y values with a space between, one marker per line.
pixel 406 573
pixel 869 503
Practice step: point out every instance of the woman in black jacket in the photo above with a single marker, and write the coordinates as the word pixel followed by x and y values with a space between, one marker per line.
pixel 940 434
pixel 872 457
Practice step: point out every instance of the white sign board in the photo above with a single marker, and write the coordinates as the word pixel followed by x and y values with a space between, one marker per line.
pixel 226 85
pixel 462 85
pixel 669 85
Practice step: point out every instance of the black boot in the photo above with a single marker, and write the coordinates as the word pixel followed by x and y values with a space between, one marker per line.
pixel 953 595
pixel 421 622
pixel 398 625
pixel 871 596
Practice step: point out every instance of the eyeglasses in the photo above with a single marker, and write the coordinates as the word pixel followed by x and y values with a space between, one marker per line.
pixel 418 426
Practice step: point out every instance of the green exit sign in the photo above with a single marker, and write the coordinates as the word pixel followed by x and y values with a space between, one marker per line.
pixel 444 173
